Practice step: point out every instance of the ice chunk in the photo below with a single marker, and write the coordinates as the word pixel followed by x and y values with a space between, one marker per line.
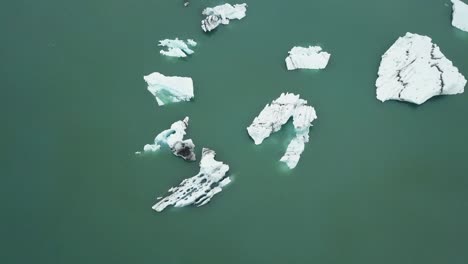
pixel 174 139
pixel 221 15
pixel 414 70
pixel 275 115
pixel 176 47
pixel 169 89
pixel 307 58
pixel 199 189
pixel 460 15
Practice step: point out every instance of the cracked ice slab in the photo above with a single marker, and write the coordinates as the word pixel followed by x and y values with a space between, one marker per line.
pixel 460 15
pixel 414 70
pixel 177 48
pixel 169 89
pixel 275 115
pixel 307 58
pixel 199 189
pixel 174 139
pixel 221 14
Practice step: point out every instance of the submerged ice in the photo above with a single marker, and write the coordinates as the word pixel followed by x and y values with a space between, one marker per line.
pixel 199 189
pixel 221 14
pixel 174 139
pixel 414 70
pixel 169 89
pixel 275 115
pixel 307 58
pixel 177 48
pixel 460 15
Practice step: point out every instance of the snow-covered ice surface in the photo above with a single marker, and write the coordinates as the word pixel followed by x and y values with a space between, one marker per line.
pixel 174 139
pixel 460 15
pixel 275 115
pixel 199 189
pixel 307 58
pixel 221 14
pixel 177 48
pixel 169 89
pixel 414 70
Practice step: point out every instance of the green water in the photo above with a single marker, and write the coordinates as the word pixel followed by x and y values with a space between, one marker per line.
pixel 378 183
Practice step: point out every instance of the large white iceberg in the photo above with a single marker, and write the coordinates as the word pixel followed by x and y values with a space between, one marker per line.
pixel 169 89
pixel 174 139
pixel 177 48
pixel 414 70
pixel 275 115
pixel 460 15
pixel 221 15
pixel 307 58
pixel 199 189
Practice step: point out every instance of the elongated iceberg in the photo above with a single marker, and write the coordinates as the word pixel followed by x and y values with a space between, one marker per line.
pixel 169 89
pixel 307 58
pixel 174 139
pixel 199 189
pixel 460 15
pixel 221 14
pixel 177 48
pixel 275 115
pixel 414 70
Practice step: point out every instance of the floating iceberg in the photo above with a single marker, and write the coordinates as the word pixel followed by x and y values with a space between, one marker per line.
pixel 199 189
pixel 460 15
pixel 177 48
pixel 414 70
pixel 174 139
pixel 275 115
pixel 307 58
pixel 169 89
pixel 221 15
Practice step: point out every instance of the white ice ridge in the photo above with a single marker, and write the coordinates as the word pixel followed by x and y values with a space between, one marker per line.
pixel 174 139
pixel 275 115
pixel 199 189
pixel 169 89
pixel 177 48
pixel 221 15
pixel 307 58
pixel 414 70
pixel 460 15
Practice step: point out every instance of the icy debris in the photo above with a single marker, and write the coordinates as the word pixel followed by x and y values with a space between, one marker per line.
pixel 221 14
pixel 169 89
pixel 177 48
pixel 275 115
pixel 199 189
pixel 460 15
pixel 174 139
pixel 307 58
pixel 414 70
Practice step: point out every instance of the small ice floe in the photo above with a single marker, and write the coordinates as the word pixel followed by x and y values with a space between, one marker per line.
pixel 221 14
pixel 174 139
pixel 199 189
pixel 414 70
pixel 460 15
pixel 307 58
pixel 177 48
pixel 169 89
pixel 275 115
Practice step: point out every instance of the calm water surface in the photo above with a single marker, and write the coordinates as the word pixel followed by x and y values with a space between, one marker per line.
pixel 378 183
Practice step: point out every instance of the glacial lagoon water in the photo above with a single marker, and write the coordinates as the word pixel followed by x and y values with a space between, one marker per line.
pixel 377 183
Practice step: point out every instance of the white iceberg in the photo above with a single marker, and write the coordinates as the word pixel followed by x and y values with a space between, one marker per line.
pixel 199 189
pixel 177 48
pixel 307 58
pixel 275 115
pixel 221 15
pixel 460 15
pixel 169 89
pixel 174 139
pixel 414 70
